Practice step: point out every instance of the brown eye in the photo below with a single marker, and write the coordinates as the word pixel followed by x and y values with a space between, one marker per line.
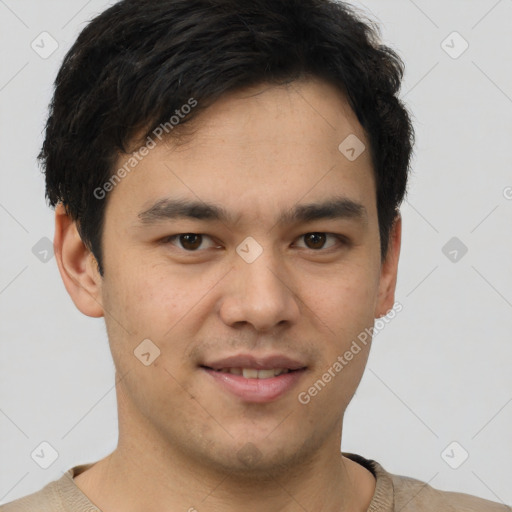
pixel 190 241
pixel 315 240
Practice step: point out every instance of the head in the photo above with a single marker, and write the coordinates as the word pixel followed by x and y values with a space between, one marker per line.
pixel 241 108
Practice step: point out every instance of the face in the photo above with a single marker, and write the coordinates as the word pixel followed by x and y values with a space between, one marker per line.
pixel 280 257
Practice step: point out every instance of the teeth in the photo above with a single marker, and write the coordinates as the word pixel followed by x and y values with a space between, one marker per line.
pixel 250 373
pixel 253 373
pixel 260 374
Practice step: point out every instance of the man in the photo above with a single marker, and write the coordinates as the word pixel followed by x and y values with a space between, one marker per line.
pixel 227 177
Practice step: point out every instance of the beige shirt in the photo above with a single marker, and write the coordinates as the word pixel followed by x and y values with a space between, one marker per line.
pixel 393 493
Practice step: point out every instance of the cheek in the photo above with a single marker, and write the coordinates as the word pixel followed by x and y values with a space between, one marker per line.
pixel 344 301
pixel 150 299
pixel 345 347
pixel 343 312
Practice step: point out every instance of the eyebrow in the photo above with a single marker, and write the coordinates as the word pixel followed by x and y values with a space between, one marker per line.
pixel 334 208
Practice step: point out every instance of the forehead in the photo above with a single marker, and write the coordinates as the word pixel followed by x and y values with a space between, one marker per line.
pixel 255 150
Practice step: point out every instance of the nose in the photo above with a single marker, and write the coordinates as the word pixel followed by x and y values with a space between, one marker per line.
pixel 260 293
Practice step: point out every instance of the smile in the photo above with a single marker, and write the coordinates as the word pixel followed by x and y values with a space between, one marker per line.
pixel 252 385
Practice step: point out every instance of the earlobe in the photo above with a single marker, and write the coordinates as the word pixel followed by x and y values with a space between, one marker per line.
pixel 77 265
pixel 389 270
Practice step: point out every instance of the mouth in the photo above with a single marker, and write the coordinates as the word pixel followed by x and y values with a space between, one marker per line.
pixel 254 373
pixel 255 385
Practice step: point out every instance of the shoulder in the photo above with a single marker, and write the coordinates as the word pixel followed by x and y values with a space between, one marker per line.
pixel 414 495
pixel 61 495
pixel 45 500
pixel 405 494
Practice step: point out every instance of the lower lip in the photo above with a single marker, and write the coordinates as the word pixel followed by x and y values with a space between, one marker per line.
pixel 257 390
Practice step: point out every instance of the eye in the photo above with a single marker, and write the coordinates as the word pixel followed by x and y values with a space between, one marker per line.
pixel 192 242
pixel 189 241
pixel 316 240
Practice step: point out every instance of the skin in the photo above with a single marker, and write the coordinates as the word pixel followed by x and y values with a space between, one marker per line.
pixel 256 152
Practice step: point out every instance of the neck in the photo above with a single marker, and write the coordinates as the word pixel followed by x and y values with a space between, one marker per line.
pixel 147 472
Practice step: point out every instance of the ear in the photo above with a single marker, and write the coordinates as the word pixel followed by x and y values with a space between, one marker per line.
pixel 389 270
pixel 77 265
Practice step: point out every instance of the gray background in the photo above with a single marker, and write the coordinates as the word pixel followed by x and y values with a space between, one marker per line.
pixel 438 373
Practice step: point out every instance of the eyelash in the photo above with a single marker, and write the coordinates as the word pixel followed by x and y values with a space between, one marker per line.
pixel 340 238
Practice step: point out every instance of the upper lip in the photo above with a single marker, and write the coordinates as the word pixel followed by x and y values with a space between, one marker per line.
pixel 258 362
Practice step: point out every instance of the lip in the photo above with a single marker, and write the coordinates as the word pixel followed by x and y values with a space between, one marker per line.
pixel 257 362
pixel 256 390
